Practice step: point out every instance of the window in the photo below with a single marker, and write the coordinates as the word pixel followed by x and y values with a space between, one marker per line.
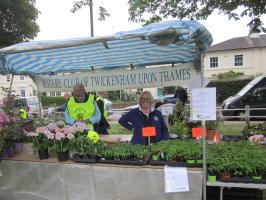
pixel 22 92
pixel 238 60
pixel 8 77
pixel 58 94
pixel 22 77
pixel 52 94
pixel 213 62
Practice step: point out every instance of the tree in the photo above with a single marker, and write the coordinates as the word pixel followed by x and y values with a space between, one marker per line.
pixel 17 21
pixel 103 13
pixel 148 11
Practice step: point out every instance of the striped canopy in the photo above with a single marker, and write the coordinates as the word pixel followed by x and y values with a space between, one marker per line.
pixel 168 42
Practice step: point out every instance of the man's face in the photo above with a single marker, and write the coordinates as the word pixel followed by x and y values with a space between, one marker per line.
pixel 79 93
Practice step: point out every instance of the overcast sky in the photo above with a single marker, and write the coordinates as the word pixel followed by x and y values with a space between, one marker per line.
pixel 57 22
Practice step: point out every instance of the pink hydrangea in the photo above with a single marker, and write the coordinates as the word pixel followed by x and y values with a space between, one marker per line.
pixel 80 126
pixel 41 129
pixel 69 130
pixel 52 126
pixel 49 134
pixel 59 136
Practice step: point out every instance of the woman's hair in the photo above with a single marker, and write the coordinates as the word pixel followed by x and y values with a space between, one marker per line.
pixel 148 93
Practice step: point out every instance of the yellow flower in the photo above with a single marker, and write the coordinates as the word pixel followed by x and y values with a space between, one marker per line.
pixel 93 136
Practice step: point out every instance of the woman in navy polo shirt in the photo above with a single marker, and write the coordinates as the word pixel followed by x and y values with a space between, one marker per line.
pixel 145 116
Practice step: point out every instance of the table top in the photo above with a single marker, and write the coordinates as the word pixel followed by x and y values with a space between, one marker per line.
pixel 238 185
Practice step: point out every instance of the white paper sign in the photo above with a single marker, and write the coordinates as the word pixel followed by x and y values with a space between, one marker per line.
pixel 108 80
pixel 175 179
pixel 167 111
pixel 203 104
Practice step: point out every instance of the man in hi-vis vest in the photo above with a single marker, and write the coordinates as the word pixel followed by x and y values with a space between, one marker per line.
pixel 82 107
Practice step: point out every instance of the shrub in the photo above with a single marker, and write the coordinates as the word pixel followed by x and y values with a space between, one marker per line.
pixel 52 101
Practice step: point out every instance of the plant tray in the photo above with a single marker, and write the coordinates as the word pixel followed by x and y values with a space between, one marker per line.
pixel 184 164
pixel 158 162
pixel 123 162
pixel 77 158
pixel 242 180
pixel 233 138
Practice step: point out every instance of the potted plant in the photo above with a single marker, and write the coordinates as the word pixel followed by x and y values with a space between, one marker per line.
pixel 61 138
pixel 40 141
pixel 211 126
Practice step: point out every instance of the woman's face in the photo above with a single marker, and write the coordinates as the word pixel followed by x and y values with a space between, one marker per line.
pixel 145 101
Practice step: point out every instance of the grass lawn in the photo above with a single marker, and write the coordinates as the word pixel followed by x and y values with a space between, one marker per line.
pixel 231 129
pixel 117 129
pixel 225 129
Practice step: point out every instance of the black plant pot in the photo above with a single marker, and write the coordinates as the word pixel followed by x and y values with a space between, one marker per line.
pixel 63 156
pixel 43 154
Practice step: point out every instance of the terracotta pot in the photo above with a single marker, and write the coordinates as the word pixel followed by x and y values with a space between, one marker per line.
pixel 226 176
pixel 211 134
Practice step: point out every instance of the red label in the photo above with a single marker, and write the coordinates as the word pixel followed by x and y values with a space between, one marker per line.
pixel 148 131
pixel 196 132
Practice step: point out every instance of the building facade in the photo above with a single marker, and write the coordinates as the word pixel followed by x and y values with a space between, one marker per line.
pixel 241 54
pixel 22 86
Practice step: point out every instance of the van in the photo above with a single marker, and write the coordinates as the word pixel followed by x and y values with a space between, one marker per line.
pixel 30 104
pixel 253 94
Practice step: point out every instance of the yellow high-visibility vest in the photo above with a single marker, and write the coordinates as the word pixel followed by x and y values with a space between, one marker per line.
pixel 81 111
pixel 23 114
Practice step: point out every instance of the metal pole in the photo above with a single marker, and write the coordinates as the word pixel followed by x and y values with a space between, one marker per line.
pixel 91 18
pixel 10 86
pixel 204 185
pixel 40 104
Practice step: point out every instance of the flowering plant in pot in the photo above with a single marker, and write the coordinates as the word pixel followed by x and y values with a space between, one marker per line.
pixel 61 137
pixel 40 140
pixel 11 133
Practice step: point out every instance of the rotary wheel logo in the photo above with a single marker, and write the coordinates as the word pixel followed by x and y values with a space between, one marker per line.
pixel 80 114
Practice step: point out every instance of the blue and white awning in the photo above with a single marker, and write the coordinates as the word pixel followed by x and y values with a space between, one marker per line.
pixel 159 43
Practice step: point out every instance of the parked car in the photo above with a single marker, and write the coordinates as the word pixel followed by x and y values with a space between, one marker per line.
pixel 29 104
pixel 253 94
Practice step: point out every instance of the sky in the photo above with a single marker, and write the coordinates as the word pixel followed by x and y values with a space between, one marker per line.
pixel 57 22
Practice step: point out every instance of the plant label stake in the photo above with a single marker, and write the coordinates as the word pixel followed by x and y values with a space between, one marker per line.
pixel 148 132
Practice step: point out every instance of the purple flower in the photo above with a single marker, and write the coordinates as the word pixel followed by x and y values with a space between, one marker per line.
pixel 52 126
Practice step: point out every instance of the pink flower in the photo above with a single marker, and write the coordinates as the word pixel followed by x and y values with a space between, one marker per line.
pixel 41 129
pixel 49 135
pixel 52 126
pixel 59 136
pixel 69 130
pixel 80 126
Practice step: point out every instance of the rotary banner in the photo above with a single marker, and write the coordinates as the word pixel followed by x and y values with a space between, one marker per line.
pixel 103 80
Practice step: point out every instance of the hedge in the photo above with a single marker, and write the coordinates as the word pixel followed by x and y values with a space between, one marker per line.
pixel 227 88
pixel 52 101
